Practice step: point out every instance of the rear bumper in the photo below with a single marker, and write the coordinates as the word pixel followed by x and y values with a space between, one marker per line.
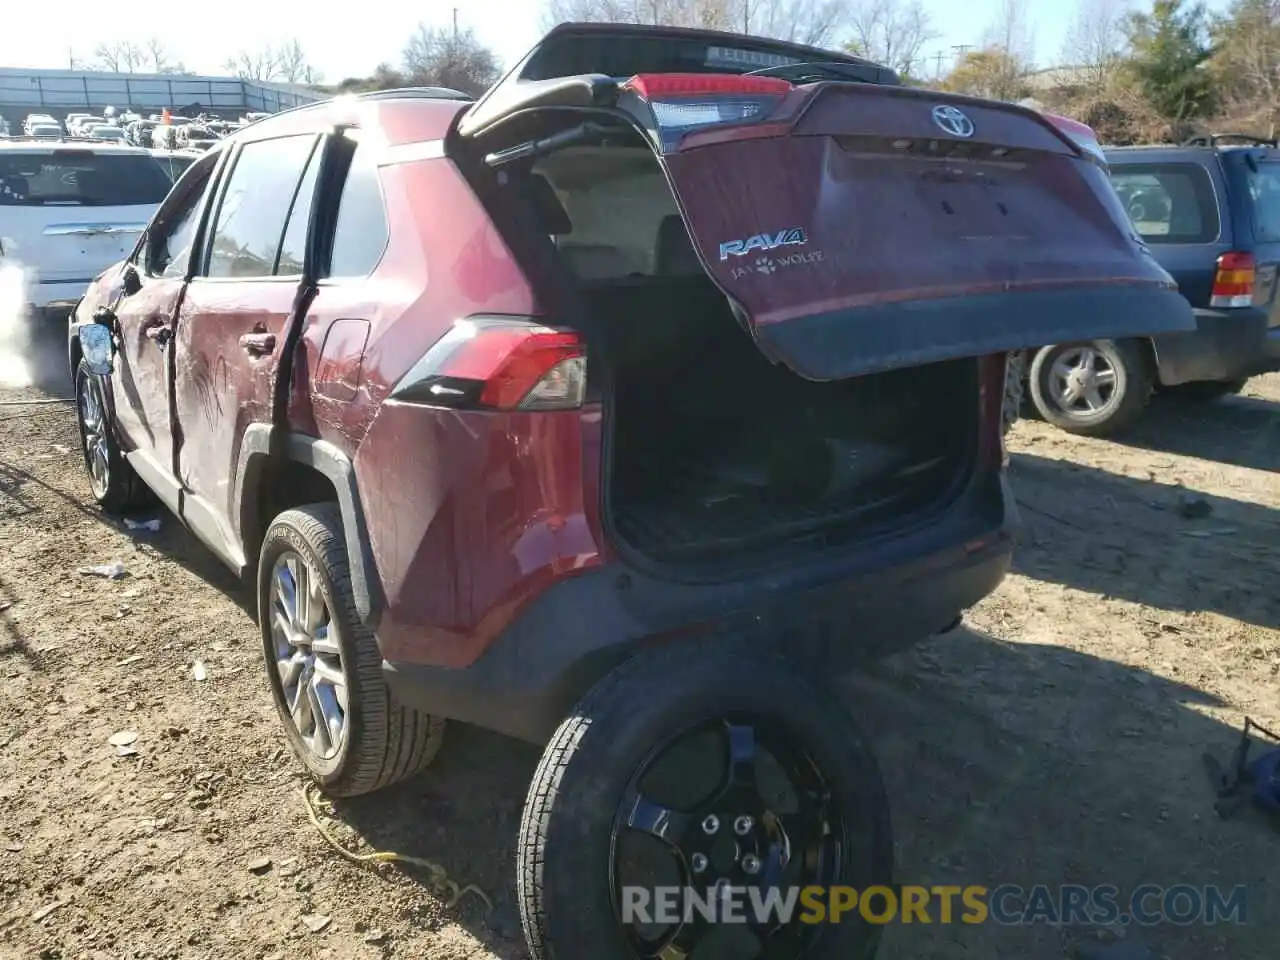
pixel 582 627
pixel 55 299
pixel 1226 345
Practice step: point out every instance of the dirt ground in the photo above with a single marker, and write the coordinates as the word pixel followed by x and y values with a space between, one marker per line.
pixel 1056 739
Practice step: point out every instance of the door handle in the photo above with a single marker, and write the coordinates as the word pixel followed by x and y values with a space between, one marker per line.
pixel 258 343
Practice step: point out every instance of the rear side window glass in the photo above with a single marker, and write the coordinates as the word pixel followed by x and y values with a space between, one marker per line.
pixel 80 178
pixel 171 247
pixel 1264 188
pixel 361 233
pixel 293 249
pixel 1168 203
pixel 255 206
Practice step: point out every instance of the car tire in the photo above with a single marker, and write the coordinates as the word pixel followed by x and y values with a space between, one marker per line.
pixel 571 825
pixel 1015 389
pixel 1126 393
pixel 1204 391
pixel 323 664
pixel 112 481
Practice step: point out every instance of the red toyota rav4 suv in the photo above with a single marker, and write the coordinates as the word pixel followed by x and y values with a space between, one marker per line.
pixel 603 410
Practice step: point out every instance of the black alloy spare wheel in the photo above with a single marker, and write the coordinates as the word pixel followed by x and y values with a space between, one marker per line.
pixel 687 792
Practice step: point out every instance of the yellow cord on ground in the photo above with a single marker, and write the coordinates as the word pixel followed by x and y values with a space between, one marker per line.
pixel 440 883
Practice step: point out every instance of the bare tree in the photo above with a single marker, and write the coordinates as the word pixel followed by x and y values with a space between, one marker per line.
pixel 1005 59
pixel 989 73
pixel 1012 31
pixel 449 57
pixel 1246 60
pixel 156 57
pixel 292 65
pixel 1096 40
pixel 120 56
pixel 891 32
pixel 254 65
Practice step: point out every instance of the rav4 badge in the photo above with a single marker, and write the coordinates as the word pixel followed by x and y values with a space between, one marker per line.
pixel 792 236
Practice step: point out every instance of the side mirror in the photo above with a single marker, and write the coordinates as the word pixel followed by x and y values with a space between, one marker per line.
pixel 97 343
pixel 130 279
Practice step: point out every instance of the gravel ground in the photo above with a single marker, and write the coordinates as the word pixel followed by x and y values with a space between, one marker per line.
pixel 1055 739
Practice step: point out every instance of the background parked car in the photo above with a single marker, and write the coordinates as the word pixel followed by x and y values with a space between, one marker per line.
pixel 1210 213
pixel 39 120
pixel 106 132
pixel 68 213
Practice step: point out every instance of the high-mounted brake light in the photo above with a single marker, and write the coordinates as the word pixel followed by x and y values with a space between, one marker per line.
pixel 499 363
pixel 1234 281
pixel 682 102
pixel 1081 134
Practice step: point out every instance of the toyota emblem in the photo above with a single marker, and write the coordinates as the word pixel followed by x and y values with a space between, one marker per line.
pixel 953 120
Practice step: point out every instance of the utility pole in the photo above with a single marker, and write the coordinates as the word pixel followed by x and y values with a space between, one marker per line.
pixel 961 49
pixel 938 57
pixel 746 16
pixel 455 25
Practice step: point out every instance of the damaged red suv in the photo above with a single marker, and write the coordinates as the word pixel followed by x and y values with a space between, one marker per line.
pixel 608 411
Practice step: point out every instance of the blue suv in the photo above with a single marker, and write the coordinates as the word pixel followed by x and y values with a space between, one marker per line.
pixel 1210 212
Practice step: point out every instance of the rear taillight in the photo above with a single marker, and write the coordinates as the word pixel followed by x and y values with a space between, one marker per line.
pixel 683 102
pixel 1080 134
pixel 499 363
pixel 1233 283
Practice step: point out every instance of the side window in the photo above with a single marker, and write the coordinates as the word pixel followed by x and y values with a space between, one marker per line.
pixel 1168 203
pixel 255 205
pixel 169 248
pixel 1264 188
pixel 361 233
pixel 293 249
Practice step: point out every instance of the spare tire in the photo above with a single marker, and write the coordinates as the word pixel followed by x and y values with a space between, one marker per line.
pixel 602 803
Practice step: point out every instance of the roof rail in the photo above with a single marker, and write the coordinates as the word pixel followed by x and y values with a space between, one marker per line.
pixel 398 93
pixel 1214 139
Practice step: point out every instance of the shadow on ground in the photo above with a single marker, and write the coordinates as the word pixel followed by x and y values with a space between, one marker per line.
pixel 1006 763
pixel 1124 537
pixel 1243 431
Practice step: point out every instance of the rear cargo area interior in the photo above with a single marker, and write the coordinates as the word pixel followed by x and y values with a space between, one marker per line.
pixel 713 449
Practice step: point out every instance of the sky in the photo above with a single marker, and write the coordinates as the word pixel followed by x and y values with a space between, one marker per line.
pixel 352 44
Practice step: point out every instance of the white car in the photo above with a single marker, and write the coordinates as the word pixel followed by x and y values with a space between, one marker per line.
pixel 39 120
pixel 67 212
pixel 106 132
pixel 72 119
pixel 82 125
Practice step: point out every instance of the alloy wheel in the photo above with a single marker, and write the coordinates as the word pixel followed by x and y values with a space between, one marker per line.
pixel 93 427
pixel 1083 381
pixel 738 838
pixel 309 663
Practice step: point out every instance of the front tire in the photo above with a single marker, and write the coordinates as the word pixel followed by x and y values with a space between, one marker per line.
pixel 112 481
pixel 1093 389
pixel 324 667
pixel 593 796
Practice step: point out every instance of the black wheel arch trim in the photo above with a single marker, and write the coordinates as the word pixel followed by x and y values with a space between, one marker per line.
pixel 328 460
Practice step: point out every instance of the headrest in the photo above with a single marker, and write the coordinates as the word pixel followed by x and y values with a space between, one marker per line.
pixel 674 255
pixel 550 211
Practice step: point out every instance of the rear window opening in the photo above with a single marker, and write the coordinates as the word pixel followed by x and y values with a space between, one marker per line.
pixel 715 454
pixel 81 178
